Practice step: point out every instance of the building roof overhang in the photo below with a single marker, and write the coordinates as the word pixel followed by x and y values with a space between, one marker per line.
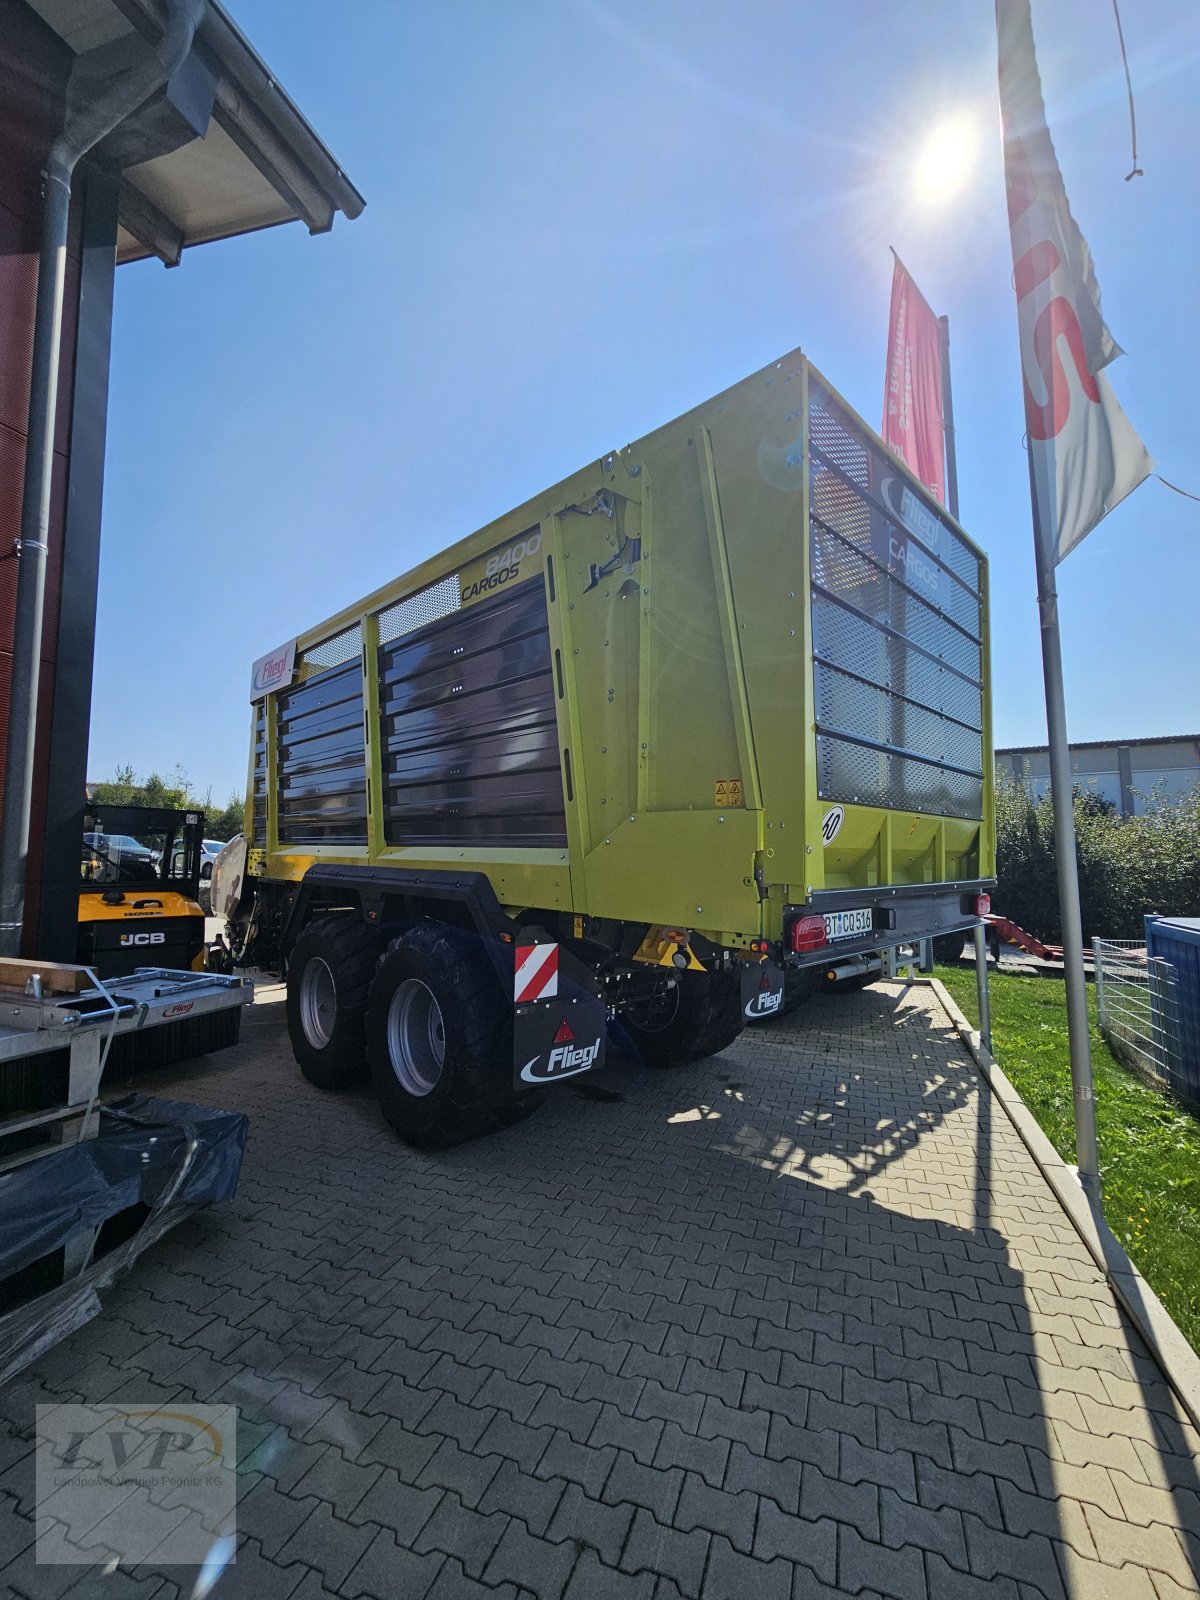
pixel 258 162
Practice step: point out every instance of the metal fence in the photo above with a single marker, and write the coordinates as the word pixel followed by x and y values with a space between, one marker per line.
pixel 1138 1009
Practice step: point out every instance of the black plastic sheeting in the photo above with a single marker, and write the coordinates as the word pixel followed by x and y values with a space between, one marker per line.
pixel 153 1161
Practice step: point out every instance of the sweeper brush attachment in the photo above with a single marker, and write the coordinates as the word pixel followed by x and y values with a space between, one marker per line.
pixel 62 1028
pixel 171 1042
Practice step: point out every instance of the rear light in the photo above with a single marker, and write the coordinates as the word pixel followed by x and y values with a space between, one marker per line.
pixel 806 933
pixel 983 905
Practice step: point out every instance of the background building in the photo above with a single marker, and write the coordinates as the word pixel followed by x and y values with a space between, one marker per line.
pixel 1127 773
pixel 217 149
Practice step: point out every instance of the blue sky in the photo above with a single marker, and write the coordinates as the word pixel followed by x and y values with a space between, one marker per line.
pixel 584 217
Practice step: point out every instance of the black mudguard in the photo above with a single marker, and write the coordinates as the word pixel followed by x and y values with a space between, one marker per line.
pixel 762 989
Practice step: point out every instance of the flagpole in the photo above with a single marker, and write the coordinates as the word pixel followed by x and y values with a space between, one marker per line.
pixel 943 324
pixel 979 932
pixel 1063 800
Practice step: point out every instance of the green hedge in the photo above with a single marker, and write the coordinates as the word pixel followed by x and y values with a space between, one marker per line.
pixel 1127 865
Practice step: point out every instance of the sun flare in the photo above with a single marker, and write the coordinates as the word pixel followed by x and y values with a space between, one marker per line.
pixel 946 159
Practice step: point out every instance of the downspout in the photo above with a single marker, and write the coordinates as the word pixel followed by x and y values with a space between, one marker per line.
pixel 81 132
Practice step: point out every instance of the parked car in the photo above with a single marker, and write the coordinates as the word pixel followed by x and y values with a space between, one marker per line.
pixel 121 848
pixel 210 849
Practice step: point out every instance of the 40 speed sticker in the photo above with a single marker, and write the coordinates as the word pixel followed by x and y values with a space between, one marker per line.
pixel 513 562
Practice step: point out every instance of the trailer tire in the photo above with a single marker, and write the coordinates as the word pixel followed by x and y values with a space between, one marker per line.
pixel 328 971
pixel 707 1019
pixel 799 986
pixel 439 1039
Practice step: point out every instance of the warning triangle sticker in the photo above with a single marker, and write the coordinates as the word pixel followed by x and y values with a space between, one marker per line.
pixel 565 1034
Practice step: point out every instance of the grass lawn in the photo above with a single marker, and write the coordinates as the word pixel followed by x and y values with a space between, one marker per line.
pixel 1149 1145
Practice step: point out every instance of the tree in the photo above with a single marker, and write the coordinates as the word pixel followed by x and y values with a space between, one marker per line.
pixel 123 789
pixel 1127 865
pixel 225 823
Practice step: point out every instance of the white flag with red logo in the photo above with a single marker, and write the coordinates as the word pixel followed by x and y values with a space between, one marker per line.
pixel 1086 456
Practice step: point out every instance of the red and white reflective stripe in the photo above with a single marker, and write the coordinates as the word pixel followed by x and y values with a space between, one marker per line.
pixel 537 972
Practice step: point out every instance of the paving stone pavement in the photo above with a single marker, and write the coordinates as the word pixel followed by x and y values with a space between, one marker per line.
pixel 802 1321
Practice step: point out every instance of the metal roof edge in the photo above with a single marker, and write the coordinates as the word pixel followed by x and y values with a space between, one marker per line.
pixel 1100 744
pixel 242 67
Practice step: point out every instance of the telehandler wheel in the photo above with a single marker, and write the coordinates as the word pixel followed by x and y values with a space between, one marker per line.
pixel 328 972
pixel 439 1039
pixel 799 988
pixel 700 1016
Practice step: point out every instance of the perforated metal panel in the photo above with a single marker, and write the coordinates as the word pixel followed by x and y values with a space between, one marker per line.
pixel 870 776
pixel 843 635
pixel 258 787
pixel 335 652
pixel 897 631
pixel 870 474
pixel 856 576
pixel 888 719
pixel 441 599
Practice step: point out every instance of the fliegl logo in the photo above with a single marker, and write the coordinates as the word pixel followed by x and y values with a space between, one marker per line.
pixel 564 1061
pixel 918 568
pixel 272 671
pixel 915 516
pixel 767 998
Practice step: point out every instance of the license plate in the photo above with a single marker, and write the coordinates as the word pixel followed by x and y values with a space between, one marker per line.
pixel 848 924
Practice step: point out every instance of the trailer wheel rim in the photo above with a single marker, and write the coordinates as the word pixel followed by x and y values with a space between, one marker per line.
pixel 416 1038
pixel 318 1003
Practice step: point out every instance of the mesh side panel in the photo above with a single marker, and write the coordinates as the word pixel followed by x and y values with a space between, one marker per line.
pixel 897 632
pixel 868 465
pixel 884 541
pixel 333 652
pixel 846 450
pixel 258 825
pixel 841 637
pixel 851 772
pixel 441 599
pixel 847 703
pixel 845 571
pixel 839 507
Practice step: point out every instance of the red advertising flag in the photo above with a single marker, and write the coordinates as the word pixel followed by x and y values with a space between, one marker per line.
pixel 912 391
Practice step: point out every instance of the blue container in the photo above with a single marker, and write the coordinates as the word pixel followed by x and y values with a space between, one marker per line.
pixel 1177 940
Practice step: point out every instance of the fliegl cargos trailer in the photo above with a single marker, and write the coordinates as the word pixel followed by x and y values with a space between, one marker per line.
pixel 709 718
